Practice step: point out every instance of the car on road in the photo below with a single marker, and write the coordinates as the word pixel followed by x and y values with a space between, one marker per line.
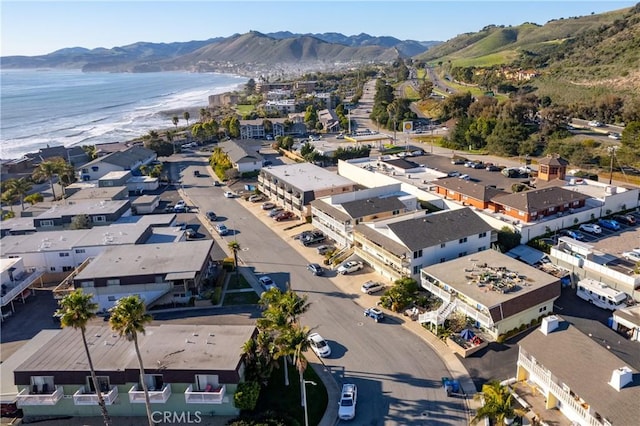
pixel 324 249
pixel 614 136
pixel 211 216
pixel 315 269
pixel 609 224
pixel 275 211
pixel 319 345
pixel 576 235
pixel 350 266
pixel 374 313
pixel 268 205
pixel 631 256
pixel 371 287
pixel 285 215
pixel 627 219
pixel 229 194
pixel 595 123
pixel 591 228
pixel 347 403
pixel 267 283
pixel 222 230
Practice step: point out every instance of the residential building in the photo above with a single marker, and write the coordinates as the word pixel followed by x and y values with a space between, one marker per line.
pixel 223 99
pixel 73 155
pixel 627 322
pixel 282 106
pixel 150 270
pixel 305 86
pixel 329 120
pixel 337 215
pixel 401 246
pixel 572 373
pixel 552 167
pixel 534 205
pixel 295 186
pixel 265 86
pixel 278 94
pixel 16 282
pixel 254 129
pixel 103 212
pixel 129 159
pixel 190 369
pixel 244 155
pixel 468 193
pixel 497 292
pixel 89 191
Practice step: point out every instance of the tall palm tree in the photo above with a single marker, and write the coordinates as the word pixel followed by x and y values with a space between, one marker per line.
pixel 76 309
pixel 128 318
pixel 235 247
pixel 47 170
pixel 20 187
pixel 66 173
pixel 175 120
pixel 294 341
pixel 186 116
pixel 498 404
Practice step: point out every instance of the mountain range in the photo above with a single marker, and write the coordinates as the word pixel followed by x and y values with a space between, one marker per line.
pixel 251 49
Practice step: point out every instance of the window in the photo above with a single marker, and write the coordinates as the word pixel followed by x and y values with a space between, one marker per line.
pixel 85 170
pixel 103 382
pixel 47 222
pixel 483 248
pixel 99 219
pixel 442 260
pixel 111 298
pixel 462 240
pixel 155 382
pixel 85 284
pixel 42 384
pixel 395 212
pixel 552 209
pixel 206 381
pixel 113 281
pixel 95 168
pixel 52 269
pixel 67 268
pixel 443 245
pixel 520 213
pixel 417 254
pixel 543 309
pixel 462 253
pixel 63 254
pixel 482 235
pixel 416 269
pixel 80 250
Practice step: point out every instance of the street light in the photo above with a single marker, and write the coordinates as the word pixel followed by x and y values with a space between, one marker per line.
pixel 304 399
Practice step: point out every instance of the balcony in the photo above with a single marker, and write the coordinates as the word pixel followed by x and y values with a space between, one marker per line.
pixel 136 394
pixel 82 397
pixel 211 396
pixel 27 398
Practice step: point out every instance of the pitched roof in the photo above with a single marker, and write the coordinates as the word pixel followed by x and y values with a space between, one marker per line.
pixel 242 150
pixel 553 160
pixel 540 199
pixel 371 206
pixel 125 158
pixel 437 228
pixel 585 367
pixel 470 189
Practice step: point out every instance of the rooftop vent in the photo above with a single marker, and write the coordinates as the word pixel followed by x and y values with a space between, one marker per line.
pixel 621 377
pixel 549 324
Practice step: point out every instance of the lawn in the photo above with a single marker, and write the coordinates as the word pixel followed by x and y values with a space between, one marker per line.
pixel 241 283
pixel 287 400
pixel 243 298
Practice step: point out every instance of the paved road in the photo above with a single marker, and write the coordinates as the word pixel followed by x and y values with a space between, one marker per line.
pixel 398 375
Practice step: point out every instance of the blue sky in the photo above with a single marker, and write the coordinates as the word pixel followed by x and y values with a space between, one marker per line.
pixel 40 27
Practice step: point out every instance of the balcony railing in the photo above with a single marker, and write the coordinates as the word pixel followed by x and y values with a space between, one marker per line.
pixel 136 394
pixel 81 397
pixel 212 396
pixel 20 285
pixel 26 398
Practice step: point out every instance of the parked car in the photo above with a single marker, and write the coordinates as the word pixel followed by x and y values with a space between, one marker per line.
pixel 313 238
pixel 324 249
pixel 275 211
pixel 196 173
pixel 627 219
pixel 181 204
pixel 371 287
pixel 267 283
pixel 190 233
pixel 457 161
pixel 347 403
pixel 284 216
pixel 590 228
pixel 631 256
pixel 478 165
pixel 350 266
pixel 492 168
pixel 374 313
pixel 268 205
pixel 229 194
pixel 315 269
pixel 454 174
pixel 614 136
pixel 576 235
pixel 464 177
pixel 222 230
pixel 179 209
pixel 211 216
pixel 609 224
pixel 319 345
pixel 256 198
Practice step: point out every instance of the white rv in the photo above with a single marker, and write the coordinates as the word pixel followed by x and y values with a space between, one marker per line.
pixel 601 294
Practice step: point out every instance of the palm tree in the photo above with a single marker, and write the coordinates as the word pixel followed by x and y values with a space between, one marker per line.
pixel 66 172
pixel 175 120
pixel 186 116
pixel 498 404
pixel 294 341
pixel 76 309
pixel 170 138
pixel 47 170
pixel 20 187
pixel 128 318
pixel 235 247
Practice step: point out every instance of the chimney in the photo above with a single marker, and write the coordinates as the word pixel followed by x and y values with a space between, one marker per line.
pixel 549 324
pixel 621 377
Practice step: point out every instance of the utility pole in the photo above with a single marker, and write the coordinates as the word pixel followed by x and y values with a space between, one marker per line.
pixel 612 152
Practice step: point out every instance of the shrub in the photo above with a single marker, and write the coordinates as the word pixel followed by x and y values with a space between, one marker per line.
pixel 246 396
pixel 501 338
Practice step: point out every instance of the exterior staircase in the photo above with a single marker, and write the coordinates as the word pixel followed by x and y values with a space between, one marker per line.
pixel 437 317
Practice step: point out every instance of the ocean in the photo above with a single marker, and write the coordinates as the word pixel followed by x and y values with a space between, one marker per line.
pixel 40 108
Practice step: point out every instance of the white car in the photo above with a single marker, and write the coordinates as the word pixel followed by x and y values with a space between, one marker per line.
pixel 591 228
pixel 229 194
pixel 181 204
pixel 371 287
pixel 350 266
pixel 632 256
pixel 347 404
pixel 319 345
pixel 267 283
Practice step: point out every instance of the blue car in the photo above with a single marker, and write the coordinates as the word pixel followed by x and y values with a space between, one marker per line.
pixel 609 224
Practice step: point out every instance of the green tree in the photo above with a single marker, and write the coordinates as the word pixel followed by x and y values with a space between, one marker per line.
pixel 250 87
pixel 80 221
pixel 246 396
pixel 91 151
pixel 498 404
pixel 34 198
pixel 235 247
pixel 425 89
pixel 20 187
pixel 311 117
pixel 186 116
pixel 76 310
pixel 48 170
pixel 175 120
pixel 128 319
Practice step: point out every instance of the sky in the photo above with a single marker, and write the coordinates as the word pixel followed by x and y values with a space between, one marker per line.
pixel 33 28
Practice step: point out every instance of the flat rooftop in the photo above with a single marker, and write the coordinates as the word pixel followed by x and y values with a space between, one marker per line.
pixel 490 277
pixel 90 207
pixel 307 176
